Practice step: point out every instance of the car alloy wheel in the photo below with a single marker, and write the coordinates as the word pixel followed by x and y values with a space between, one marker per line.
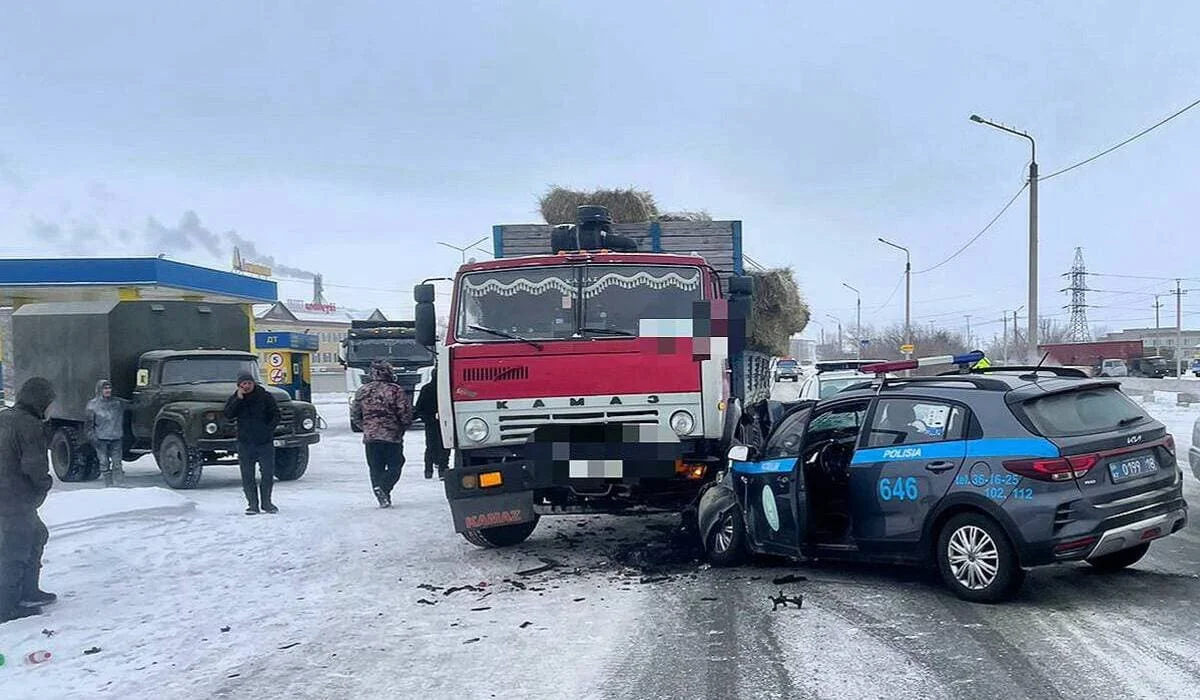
pixel 974 559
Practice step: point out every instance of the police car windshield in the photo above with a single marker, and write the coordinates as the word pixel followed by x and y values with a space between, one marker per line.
pixel 206 370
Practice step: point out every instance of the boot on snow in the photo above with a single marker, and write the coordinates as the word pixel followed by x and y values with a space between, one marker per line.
pixel 12 579
pixel 118 477
pixel 252 510
pixel 19 613
pixel 441 473
pixel 383 498
pixel 270 508
pixel 429 472
pixel 37 599
pixel 108 478
pixel 32 595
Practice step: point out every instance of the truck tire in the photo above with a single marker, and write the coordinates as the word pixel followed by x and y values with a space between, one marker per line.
pixel 291 463
pixel 181 465
pixel 72 457
pixel 503 536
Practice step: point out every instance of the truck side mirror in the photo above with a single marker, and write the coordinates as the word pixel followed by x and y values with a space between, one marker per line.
pixel 426 324
pixel 423 293
pixel 741 286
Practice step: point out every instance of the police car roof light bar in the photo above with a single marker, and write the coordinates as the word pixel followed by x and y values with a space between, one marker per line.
pixel 901 365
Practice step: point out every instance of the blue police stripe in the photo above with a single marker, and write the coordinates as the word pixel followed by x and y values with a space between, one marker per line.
pixel 771 466
pixel 958 449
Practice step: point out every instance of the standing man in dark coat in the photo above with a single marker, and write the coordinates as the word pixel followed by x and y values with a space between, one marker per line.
pixel 436 455
pixel 257 414
pixel 381 406
pixel 24 483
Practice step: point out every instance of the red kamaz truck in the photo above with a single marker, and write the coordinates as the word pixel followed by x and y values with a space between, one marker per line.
pixel 581 375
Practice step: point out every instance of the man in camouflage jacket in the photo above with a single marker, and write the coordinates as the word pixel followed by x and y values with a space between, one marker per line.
pixel 382 408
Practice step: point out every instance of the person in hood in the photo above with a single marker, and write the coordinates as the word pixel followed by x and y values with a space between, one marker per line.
pixel 257 414
pixel 24 483
pixel 381 406
pixel 436 455
pixel 105 426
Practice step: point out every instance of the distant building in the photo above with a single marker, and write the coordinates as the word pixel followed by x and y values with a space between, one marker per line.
pixel 328 322
pixel 1162 340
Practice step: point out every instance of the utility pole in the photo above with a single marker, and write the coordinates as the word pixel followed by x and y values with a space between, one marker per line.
pixel 1033 227
pixel 857 319
pixel 907 293
pixel 1157 325
pixel 1004 321
pixel 968 331
pixel 1179 292
pixel 1015 335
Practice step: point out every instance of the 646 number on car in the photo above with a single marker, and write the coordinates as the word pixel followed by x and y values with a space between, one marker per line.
pixel 899 489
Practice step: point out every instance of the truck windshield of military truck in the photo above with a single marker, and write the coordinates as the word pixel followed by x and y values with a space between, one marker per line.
pixel 544 303
pixel 206 370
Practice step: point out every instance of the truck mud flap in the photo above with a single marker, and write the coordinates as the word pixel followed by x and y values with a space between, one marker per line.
pixel 492 511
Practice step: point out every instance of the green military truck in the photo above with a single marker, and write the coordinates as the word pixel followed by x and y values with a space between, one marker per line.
pixel 176 362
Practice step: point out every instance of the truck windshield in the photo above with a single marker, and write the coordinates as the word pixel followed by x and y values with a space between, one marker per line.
pixel 206 370
pixel 361 352
pixel 550 302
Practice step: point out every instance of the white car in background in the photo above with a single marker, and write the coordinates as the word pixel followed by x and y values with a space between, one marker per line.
pixel 825 384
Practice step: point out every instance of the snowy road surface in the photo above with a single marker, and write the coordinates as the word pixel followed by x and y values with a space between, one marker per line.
pixel 185 597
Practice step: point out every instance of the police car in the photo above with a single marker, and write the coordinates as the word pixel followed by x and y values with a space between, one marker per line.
pixel 982 473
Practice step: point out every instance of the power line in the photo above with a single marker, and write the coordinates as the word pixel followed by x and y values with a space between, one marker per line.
pixel 889 298
pixel 976 236
pixel 1131 139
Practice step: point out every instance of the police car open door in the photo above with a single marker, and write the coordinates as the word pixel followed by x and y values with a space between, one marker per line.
pixel 772 489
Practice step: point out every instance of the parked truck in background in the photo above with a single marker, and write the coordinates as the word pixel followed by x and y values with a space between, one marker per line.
pixel 580 375
pixel 175 362
pixel 1091 356
pixel 393 341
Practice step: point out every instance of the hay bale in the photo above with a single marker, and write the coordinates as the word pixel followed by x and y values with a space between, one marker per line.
pixel 626 205
pixel 685 216
pixel 778 313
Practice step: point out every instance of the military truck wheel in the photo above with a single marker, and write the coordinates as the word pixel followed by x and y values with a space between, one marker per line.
pixel 291 463
pixel 72 457
pixel 503 536
pixel 181 465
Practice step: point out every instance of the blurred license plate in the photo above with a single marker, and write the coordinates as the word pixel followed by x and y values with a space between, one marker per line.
pixel 1133 468
pixel 280 443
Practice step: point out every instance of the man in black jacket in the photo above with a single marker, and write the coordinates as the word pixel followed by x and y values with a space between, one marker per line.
pixel 24 483
pixel 257 415
pixel 436 455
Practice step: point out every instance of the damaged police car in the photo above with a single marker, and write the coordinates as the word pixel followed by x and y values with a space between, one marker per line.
pixel 982 474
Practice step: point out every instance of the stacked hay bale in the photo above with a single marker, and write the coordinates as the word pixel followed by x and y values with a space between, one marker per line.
pixel 779 311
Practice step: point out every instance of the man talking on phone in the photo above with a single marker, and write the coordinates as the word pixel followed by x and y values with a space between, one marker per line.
pixel 257 415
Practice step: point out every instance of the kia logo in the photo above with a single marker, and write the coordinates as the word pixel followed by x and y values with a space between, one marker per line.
pixel 1133 440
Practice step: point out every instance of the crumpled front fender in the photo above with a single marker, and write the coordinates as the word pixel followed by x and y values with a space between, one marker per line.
pixel 715 502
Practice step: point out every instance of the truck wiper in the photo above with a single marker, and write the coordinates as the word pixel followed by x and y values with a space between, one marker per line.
pixel 607 331
pixel 506 334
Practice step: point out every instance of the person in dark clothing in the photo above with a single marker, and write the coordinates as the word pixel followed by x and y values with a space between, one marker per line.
pixel 257 414
pixel 105 426
pixel 24 483
pixel 436 455
pixel 381 406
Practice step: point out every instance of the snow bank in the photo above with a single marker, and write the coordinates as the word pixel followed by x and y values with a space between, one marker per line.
pixel 83 507
pixel 339 397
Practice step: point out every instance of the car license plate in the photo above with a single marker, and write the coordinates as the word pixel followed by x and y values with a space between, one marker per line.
pixel 280 443
pixel 1133 468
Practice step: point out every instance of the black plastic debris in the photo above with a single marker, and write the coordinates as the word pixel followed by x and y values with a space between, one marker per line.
pixel 93 650
pixel 708 599
pixel 472 640
pixel 481 609
pixel 790 578
pixel 48 633
pixel 226 628
pixel 580 600
pixel 654 579
pixel 547 565
pixel 455 589
pixel 430 587
pixel 289 646
pixel 515 584
pixel 783 601
pixel 425 601
pixel 525 624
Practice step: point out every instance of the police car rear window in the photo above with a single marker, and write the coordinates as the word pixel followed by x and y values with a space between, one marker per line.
pixel 1094 410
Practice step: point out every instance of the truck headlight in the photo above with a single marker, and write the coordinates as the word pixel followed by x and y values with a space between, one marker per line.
pixel 476 429
pixel 308 423
pixel 682 422
pixel 211 428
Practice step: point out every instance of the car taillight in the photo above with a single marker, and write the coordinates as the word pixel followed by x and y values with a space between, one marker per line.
pixel 1169 443
pixel 1061 469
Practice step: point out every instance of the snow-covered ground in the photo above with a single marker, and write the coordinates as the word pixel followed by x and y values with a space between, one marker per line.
pixel 182 596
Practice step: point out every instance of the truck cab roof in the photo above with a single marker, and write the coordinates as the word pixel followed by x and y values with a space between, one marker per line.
pixel 597 257
pixel 159 355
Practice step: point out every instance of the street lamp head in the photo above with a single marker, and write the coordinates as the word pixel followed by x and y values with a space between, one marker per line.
pixel 976 118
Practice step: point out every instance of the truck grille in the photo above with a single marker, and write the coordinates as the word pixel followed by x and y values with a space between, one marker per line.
pixel 286 417
pixel 495 374
pixel 518 427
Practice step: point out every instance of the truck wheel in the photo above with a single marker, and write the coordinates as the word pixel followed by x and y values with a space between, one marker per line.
pixel 72 457
pixel 726 544
pixel 976 560
pixel 181 465
pixel 503 536
pixel 291 463
pixel 1120 560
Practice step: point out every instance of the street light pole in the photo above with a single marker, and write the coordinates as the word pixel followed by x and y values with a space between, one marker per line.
pixel 907 293
pixel 841 345
pixel 1033 227
pixel 857 318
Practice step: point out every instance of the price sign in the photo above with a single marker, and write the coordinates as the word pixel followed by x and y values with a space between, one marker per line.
pixel 275 359
pixel 907 349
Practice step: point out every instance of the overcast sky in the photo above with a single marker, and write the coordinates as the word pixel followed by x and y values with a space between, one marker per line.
pixel 347 138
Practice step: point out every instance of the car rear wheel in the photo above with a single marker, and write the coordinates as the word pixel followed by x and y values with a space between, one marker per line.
pixel 976 560
pixel 1120 560
pixel 726 544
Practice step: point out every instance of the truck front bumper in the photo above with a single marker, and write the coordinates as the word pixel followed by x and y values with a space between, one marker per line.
pixel 283 441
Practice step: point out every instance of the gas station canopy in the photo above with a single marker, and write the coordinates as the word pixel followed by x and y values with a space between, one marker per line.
pixel 92 279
